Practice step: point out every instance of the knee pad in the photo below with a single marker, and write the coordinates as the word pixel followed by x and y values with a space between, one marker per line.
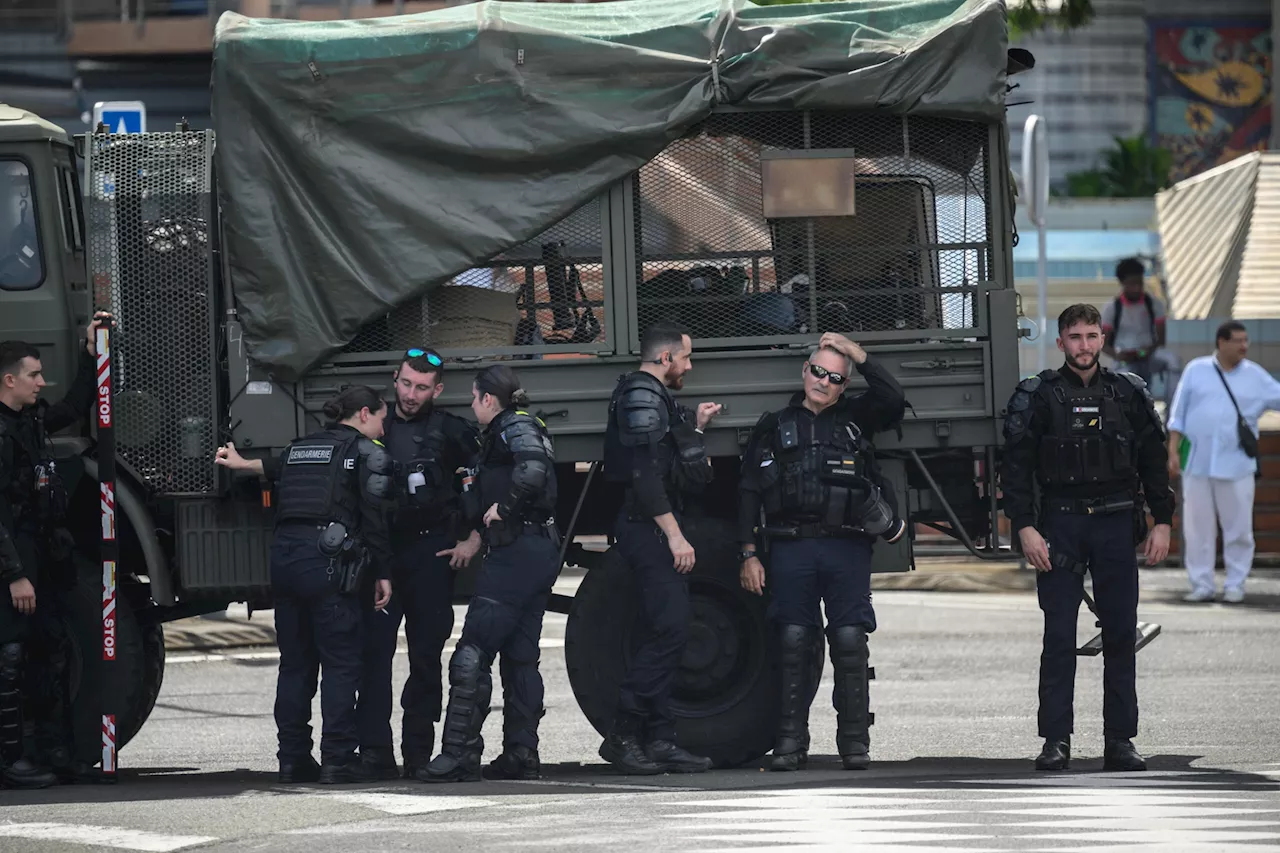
pixel 848 645
pixel 10 664
pixel 468 665
pixel 794 642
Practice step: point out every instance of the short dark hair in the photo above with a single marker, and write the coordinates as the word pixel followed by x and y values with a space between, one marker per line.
pixel 426 361
pixel 1128 267
pixel 1081 312
pixel 661 335
pixel 12 353
pixel 352 400
pixel 501 381
pixel 1228 329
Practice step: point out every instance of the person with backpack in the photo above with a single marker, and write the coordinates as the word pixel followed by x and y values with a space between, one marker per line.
pixel 1134 325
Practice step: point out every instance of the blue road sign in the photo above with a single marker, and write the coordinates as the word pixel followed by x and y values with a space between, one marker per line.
pixel 121 116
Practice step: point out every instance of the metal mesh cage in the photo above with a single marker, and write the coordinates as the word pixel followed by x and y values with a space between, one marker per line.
pixel 900 246
pixel 545 295
pixel 149 209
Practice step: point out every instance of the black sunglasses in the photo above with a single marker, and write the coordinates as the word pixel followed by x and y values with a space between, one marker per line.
pixel 819 372
pixel 432 358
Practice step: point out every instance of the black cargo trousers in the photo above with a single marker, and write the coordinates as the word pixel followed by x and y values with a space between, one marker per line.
pixel 1104 544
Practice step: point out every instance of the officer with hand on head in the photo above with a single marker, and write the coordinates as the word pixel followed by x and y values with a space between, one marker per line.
pixel 332 489
pixel 811 468
pixel 513 495
pixel 430 540
pixel 654 447
pixel 36 563
pixel 1093 442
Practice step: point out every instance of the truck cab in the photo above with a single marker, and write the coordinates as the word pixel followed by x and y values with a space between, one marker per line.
pixel 43 294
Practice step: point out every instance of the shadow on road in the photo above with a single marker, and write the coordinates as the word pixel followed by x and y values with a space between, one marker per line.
pixel 962 773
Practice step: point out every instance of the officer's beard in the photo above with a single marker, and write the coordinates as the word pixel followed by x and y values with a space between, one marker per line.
pixel 675 382
pixel 422 410
pixel 1084 362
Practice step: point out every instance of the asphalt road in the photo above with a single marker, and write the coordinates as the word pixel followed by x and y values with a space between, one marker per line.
pixel 954 701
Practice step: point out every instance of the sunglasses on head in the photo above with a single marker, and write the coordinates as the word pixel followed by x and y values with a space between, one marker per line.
pixel 819 372
pixel 432 358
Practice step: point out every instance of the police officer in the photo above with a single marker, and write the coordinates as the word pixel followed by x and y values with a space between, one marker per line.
pixel 1093 442
pixel 811 468
pixel 513 493
pixel 36 562
pixel 655 447
pixel 331 493
pixel 429 540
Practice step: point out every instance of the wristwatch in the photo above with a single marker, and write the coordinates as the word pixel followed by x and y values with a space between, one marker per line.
pixel 743 556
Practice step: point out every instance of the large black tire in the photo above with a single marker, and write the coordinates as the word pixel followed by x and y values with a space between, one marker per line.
pixel 725 694
pixel 135 680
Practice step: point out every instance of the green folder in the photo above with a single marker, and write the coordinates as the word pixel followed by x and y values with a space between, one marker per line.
pixel 1184 450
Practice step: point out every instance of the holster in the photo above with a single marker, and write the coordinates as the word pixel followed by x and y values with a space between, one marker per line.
pixel 347 557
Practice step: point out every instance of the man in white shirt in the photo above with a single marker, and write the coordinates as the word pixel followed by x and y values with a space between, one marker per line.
pixel 1134 325
pixel 1217 475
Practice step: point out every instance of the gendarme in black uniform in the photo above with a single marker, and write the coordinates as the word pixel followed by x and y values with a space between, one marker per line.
pixel 336 475
pixel 34 545
pixel 815 478
pixel 1096 451
pixel 516 471
pixel 430 448
pixel 652 445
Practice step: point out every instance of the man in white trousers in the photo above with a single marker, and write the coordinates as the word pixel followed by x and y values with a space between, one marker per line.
pixel 1218 475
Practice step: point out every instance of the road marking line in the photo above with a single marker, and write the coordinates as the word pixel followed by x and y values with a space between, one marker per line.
pixel 621 786
pixel 102 836
pixel 409 804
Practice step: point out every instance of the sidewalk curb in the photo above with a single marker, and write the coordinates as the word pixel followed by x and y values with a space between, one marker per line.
pixel 190 635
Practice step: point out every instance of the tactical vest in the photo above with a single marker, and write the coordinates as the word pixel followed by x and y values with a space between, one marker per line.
pixel 683 462
pixel 36 490
pixel 496 463
pixel 318 480
pixel 1090 439
pixel 428 457
pixel 827 479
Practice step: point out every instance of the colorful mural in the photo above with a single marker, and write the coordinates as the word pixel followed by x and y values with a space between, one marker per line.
pixel 1211 91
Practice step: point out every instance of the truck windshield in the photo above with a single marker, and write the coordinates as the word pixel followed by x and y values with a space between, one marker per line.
pixel 21 266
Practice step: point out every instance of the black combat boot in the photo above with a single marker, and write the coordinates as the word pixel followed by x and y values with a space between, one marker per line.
pixel 15 770
pixel 470 688
pixel 379 763
pixel 1119 754
pixel 300 770
pixel 791 748
pixel 516 762
pixel 672 758
pixel 72 771
pixel 342 771
pixel 622 748
pixel 852 701
pixel 1056 754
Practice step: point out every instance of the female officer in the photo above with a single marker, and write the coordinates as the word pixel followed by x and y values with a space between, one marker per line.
pixel 517 484
pixel 331 489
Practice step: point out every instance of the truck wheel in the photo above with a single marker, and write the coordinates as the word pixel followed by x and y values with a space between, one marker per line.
pixel 136 676
pixel 725 694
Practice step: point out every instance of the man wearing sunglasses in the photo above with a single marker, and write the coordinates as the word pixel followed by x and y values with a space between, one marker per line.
pixel 428 446
pixel 809 487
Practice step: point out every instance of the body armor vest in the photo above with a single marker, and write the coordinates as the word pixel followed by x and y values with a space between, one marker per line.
pixel 682 456
pixel 36 490
pixel 1090 439
pixel 497 462
pixel 426 457
pixel 828 479
pixel 318 480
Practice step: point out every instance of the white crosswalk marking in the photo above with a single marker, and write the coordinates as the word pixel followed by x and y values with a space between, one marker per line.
pixel 101 836
pixel 405 804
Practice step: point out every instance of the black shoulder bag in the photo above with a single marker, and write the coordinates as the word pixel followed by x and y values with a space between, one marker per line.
pixel 1248 441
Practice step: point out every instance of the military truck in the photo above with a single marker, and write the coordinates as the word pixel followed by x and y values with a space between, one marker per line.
pixel 532 184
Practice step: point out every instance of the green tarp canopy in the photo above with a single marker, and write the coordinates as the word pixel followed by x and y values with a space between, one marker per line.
pixel 361 163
